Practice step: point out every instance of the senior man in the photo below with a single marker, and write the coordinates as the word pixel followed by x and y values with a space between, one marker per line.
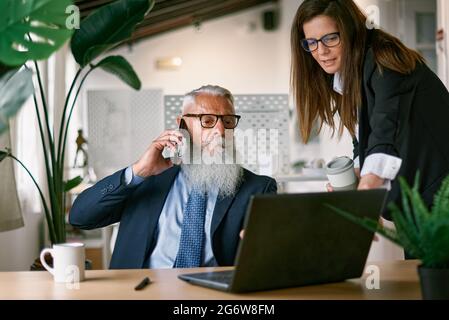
pixel 178 216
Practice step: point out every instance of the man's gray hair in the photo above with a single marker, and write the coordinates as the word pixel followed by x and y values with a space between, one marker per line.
pixel 189 98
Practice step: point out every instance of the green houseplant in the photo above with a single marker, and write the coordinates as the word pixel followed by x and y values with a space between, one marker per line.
pixel 34 29
pixel 423 233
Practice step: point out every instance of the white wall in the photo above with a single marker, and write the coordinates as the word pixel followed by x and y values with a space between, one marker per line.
pixel 19 248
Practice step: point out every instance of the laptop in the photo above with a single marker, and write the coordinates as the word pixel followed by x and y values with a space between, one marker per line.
pixel 294 240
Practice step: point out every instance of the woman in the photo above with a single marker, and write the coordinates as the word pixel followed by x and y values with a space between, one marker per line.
pixel 393 105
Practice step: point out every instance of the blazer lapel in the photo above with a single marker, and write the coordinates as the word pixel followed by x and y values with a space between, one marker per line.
pixel 221 208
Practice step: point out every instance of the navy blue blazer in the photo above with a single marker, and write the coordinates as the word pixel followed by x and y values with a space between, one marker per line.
pixel 138 208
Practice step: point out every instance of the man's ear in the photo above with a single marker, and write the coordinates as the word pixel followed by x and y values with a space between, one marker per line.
pixel 178 120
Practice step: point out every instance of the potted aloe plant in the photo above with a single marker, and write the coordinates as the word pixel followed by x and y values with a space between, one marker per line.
pixel 423 233
pixel 32 30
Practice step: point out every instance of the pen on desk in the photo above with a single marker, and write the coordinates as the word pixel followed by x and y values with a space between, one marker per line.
pixel 146 281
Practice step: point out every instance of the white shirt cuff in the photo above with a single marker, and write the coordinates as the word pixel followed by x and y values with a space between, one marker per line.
pixel 382 165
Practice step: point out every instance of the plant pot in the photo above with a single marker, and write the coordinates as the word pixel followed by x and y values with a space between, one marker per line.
pixel 434 283
pixel 37 265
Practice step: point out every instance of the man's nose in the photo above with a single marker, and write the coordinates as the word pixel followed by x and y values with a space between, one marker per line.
pixel 219 127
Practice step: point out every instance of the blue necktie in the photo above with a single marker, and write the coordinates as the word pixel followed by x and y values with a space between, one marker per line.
pixel 191 242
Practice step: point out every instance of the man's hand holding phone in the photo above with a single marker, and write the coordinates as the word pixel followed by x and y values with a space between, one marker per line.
pixel 152 161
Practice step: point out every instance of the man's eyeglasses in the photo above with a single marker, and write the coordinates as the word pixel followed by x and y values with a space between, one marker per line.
pixel 209 121
pixel 329 40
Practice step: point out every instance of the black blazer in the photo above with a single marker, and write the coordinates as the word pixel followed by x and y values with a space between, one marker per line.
pixel 138 209
pixel 406 116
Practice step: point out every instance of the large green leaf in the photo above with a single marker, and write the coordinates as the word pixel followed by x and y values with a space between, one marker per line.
pixel 107 27
pixel 44 20
pixel 72 183
pixel 15 89
pixel 118 66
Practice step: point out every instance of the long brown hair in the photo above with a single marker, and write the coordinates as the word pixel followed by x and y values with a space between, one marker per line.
pixel 312 87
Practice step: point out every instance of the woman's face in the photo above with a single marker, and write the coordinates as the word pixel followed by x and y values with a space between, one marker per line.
pixel 328 58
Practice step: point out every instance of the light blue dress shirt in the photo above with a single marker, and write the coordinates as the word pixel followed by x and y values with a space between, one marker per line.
pixel 168 230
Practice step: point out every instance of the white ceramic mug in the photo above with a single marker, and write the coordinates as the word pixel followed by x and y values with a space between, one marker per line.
pixel 68 262
pixel 341 174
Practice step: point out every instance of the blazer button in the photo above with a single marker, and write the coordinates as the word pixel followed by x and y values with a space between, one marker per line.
pixel 104 190
pixel 110 187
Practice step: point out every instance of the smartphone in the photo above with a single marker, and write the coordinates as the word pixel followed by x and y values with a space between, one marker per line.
pixel 177 156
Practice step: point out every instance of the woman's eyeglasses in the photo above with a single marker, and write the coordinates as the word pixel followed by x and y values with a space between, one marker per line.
pixel 209 121
pixel 329 40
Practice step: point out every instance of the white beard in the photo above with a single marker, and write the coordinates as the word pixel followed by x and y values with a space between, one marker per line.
pixel 213 171
pixel 205 177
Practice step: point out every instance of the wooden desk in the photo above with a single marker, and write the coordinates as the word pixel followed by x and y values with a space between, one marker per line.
pixel 399 281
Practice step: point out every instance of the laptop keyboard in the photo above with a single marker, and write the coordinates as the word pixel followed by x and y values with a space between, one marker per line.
pixel 218 276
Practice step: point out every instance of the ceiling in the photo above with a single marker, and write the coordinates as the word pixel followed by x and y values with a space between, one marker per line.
pixel 168 15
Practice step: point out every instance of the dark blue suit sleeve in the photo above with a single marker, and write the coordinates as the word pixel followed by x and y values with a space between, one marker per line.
pixel 102 204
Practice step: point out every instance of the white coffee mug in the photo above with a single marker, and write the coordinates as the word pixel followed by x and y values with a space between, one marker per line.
pixel 341 174
pixel 68 262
